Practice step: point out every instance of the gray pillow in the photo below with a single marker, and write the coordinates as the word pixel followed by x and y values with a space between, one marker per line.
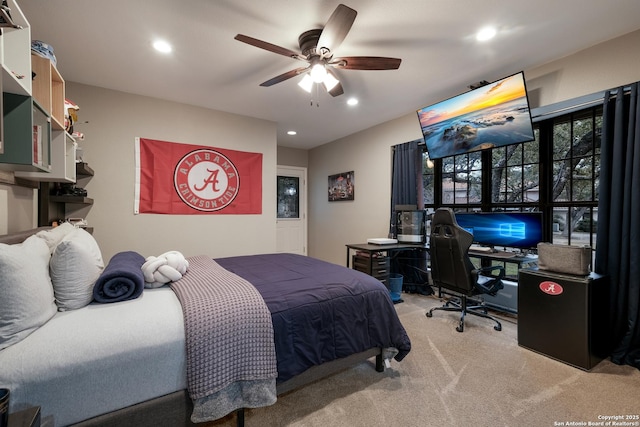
pixel 27 300
pixel 76 264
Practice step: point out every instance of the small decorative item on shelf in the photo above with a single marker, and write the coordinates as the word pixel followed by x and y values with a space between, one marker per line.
pixel 70 115
pixel 66 189
pixel 44 50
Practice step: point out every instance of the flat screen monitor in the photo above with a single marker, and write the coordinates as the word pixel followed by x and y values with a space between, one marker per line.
pixel 522 230
pixel 490 116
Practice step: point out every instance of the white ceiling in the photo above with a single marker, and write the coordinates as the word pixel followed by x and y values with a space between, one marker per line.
pixel 108 44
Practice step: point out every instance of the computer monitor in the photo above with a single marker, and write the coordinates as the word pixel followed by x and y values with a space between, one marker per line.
pixel 522 230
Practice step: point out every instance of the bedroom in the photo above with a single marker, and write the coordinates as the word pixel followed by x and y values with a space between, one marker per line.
pixel 115 118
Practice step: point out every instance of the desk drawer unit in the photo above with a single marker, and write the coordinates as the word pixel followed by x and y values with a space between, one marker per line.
pixel 376 266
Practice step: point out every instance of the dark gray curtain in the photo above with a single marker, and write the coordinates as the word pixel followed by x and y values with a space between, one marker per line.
pixel 618 239
pixel 406 177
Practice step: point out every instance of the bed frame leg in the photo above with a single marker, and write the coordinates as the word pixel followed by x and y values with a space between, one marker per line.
pixel 240 417
pixel 379 363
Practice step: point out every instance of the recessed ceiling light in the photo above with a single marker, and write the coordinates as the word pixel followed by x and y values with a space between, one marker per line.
pixel 352 101
pixel 486 34
pixel 162 46
pixel 292 132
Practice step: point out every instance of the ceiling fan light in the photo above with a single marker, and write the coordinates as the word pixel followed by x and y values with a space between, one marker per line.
pixel 306 83
pixel 318 73
pixel 330 81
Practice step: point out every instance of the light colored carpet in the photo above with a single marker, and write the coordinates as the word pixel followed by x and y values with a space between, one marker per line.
pixel 480 377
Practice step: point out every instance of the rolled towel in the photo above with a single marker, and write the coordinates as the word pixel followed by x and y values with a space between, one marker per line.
pixel 160 270
pixel 121 280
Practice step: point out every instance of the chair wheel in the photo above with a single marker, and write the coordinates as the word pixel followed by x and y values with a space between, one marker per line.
pixel 497 328
pixel 459 328
pixel 429 314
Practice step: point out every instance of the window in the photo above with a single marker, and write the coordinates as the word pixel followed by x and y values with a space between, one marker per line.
pixel 556 174
pixel 575 152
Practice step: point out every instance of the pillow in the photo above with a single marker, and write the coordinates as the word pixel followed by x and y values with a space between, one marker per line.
pixel 27 300
pixel 75 266
pixel 55 235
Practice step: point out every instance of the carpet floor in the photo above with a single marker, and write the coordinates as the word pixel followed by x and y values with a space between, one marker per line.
pixel 480 377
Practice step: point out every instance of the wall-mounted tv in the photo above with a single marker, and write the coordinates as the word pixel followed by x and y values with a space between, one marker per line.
pixel 522 230
pixel 490 116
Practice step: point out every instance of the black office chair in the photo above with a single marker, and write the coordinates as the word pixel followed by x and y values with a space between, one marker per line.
pixel 452 269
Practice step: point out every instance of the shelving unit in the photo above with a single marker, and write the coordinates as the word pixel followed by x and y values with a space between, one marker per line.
pixel 59 207
pixel 35 149
pixel 48 89
pixel 26 135
pixel 25 129
pixel 63 160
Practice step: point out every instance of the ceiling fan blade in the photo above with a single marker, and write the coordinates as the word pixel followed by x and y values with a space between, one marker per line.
pixel 337 90
pixel 366 63
pixel 337 27
pixel 284 76
pixel 268 46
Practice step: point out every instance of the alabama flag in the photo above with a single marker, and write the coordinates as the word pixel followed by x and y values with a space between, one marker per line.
pixel 184 179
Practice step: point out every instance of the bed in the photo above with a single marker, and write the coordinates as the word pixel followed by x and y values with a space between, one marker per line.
pixel 126 363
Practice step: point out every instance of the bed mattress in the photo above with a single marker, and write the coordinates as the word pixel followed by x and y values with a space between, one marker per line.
pixel 104 357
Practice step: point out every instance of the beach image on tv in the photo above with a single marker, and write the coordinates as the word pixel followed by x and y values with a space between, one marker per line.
pixel 490 116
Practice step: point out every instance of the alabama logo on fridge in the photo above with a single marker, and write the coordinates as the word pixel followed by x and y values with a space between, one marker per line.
pixel 551 288
pixel 206 180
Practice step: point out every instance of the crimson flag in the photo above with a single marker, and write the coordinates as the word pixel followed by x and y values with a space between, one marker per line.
pixel 174 178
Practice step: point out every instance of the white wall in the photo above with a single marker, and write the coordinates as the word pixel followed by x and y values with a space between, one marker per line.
pixel 368 153
pixel 18 208
pixel 114 120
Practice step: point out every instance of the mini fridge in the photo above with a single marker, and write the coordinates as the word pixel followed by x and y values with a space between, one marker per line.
pixel 564 317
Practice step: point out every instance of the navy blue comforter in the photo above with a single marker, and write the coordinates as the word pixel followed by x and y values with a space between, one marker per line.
pixel 320 311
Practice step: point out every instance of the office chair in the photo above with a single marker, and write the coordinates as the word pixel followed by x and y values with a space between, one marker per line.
pixel 452 269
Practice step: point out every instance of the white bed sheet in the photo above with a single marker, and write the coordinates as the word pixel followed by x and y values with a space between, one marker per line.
pixel 98 359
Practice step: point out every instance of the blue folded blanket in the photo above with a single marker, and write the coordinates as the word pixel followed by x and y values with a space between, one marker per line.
pixel 121 280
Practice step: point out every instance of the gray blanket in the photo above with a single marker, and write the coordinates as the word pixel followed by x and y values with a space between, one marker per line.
pixel 231 359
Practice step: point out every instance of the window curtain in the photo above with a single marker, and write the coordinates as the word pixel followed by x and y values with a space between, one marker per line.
pixel 406 178
pixel 618 238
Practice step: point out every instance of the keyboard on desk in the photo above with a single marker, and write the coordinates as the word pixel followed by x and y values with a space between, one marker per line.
pixel 484 250
pixel 481 249
pixel 503 254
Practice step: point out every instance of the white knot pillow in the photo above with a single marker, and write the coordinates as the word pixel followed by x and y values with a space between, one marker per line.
pixel 160 270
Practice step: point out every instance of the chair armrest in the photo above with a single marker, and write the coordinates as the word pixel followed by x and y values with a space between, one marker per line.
pixel 493 283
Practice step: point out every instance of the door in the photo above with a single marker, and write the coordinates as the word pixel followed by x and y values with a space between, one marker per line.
pixel 291 222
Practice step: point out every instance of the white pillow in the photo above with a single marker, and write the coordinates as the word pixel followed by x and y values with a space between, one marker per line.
pixel 75 266
pixel 56 234
pixel 26 301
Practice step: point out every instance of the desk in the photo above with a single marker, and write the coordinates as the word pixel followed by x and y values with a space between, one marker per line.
pixel 380 266
pixel 507 298
pixel 521 261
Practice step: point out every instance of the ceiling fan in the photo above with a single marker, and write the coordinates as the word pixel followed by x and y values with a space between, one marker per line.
pixel 317 49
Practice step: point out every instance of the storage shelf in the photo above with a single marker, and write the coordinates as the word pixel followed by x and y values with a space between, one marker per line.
pixel 48 89
pixel 83 169
pixel 79 200
pixel 63 160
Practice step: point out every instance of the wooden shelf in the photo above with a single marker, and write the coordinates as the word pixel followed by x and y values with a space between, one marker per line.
pixel 83 169
pixel 79 200
pixel 48 89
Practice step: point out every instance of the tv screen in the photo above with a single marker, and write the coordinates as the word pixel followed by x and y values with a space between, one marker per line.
pixel 522 230
pixel 490 116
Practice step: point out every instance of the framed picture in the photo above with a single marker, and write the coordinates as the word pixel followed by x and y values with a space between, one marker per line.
pixel 341 186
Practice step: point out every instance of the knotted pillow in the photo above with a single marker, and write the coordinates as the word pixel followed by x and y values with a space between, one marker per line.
pixel 160 270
